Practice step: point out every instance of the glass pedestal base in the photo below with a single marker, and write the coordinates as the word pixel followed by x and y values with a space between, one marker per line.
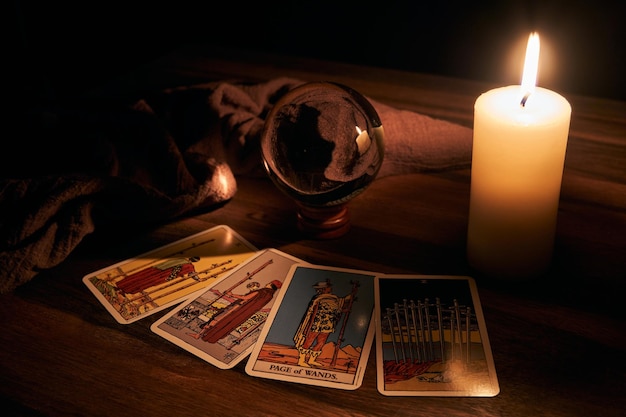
pixel 323 222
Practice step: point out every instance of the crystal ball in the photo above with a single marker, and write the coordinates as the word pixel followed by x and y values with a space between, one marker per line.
pixel 322 144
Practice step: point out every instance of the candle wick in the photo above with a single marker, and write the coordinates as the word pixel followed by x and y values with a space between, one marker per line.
pixel 524 99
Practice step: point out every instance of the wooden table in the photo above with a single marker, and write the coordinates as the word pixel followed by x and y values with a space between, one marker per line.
pixel 559 344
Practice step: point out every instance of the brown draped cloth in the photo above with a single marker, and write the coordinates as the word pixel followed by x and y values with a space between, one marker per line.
pixel 70 169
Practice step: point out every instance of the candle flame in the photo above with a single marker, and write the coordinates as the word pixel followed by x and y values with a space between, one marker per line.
pixel 531 63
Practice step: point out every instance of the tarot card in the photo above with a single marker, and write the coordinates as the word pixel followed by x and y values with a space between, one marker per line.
pixel 320 330
pixel 221 324
pixel 140 286
pixel 431 338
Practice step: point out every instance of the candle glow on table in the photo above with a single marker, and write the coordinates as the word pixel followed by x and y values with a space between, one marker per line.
pixel 520 139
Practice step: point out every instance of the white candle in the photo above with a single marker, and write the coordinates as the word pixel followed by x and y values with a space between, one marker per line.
pixel 520 138
pixel 363 141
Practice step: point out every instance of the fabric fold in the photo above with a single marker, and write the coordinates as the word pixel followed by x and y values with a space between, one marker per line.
pixel 80 167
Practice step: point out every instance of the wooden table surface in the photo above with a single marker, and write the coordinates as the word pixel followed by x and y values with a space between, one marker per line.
pixel 559 344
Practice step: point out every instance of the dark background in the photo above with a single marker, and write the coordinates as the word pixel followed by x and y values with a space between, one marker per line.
pixel 60 47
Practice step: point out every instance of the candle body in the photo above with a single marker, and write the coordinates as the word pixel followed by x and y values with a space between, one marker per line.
pixel 517 165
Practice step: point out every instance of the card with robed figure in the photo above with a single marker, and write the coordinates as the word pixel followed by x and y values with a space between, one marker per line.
pixel 320 332
pixel 222 323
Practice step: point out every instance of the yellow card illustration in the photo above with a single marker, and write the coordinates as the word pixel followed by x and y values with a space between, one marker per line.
pixel 155 280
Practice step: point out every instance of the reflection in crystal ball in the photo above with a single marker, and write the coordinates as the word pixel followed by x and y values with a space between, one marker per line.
pixel 323 143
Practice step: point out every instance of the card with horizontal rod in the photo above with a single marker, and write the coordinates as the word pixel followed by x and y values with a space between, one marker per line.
pixel 155 280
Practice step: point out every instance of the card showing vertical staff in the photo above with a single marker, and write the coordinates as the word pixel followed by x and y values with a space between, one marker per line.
pixel 320 331
pixel 431 338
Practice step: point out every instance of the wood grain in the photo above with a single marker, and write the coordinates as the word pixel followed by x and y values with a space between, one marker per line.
pixel 559 343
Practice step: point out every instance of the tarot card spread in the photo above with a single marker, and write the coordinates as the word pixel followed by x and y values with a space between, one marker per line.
pixel 222 323
pixel 431 338
pixel 153 281
pixel 320 331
